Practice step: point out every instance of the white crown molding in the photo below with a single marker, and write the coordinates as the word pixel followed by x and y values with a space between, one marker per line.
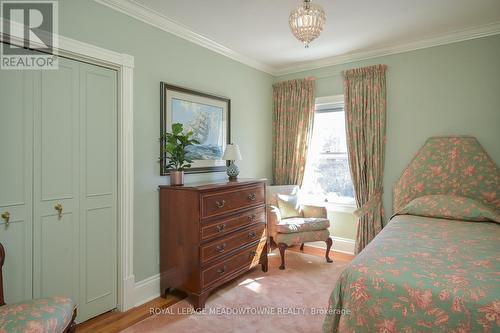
pixel 453 37
pixel 146 15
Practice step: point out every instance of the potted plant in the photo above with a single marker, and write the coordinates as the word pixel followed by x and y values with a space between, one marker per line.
pixel 175 149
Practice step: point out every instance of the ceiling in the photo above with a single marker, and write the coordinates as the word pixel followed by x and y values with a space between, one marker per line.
pixel 256 32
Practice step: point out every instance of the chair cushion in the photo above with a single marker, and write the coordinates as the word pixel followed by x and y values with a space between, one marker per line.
pixel 302 237
pixel 289 206
pixel 45 315
pixel 301 224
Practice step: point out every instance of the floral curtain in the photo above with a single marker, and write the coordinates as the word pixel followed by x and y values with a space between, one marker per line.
pixel 365 108
pixel 293 114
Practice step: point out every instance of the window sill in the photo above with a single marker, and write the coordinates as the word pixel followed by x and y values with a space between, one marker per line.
pixel 340 207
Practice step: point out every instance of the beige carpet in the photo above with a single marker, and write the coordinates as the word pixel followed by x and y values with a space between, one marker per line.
pixel 288 301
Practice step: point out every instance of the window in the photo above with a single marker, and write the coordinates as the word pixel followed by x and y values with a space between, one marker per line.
pixel 327 177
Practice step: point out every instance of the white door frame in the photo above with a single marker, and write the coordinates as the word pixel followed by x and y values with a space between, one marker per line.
pixel 124 65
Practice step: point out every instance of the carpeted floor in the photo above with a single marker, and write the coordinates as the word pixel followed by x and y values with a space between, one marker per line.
pixel 289 301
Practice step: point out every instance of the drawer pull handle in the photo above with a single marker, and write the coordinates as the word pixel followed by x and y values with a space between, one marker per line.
pixel 222 270
pixel 220 227
pixel 220 204
pixel 6 218
pixel 252 253
pixel 252 217
pixel 252 197
pixel 220 248
pixel 252 234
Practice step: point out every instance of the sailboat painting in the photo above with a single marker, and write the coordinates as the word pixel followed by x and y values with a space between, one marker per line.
pixel 208 116
pixel 205 121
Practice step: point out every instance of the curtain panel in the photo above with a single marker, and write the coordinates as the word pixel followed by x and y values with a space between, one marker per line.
pixel 365 108
pixel 293 114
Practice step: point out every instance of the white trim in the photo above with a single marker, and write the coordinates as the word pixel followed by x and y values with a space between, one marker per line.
pixel 124 65
pixel 342 245
pixel 147 289
pixel 453 37
pixel 146 15
pixel 327 100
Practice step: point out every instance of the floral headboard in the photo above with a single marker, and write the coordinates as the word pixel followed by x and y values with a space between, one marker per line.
pixel 456 165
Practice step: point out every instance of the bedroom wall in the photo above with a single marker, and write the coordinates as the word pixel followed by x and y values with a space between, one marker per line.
pixel 449 89
pixel 160 56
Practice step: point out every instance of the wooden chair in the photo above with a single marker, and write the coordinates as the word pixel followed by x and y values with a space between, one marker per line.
pixel 48 315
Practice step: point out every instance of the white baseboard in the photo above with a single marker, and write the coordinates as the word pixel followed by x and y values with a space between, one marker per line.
pixel 147 289
pixel 343 245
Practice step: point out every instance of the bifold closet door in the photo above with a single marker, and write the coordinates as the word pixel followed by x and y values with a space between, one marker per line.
pixel 56 182
pixel 75 186
pixel 98 193
pixel 16 167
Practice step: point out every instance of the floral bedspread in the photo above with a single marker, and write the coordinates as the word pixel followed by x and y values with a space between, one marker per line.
pixel 422 274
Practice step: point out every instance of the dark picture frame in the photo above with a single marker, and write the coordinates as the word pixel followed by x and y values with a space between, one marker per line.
pixel 167 91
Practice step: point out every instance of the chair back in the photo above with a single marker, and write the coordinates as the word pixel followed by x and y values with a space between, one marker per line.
pixel 272 209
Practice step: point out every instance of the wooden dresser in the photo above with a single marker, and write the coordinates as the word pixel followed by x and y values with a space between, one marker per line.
pixel 210 234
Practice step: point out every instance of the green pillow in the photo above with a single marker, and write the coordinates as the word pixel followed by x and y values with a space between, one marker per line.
pixel 288 206
pixel 451 207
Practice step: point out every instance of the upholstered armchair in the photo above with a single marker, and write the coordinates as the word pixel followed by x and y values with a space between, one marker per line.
pixel 48 315
pixel 290 223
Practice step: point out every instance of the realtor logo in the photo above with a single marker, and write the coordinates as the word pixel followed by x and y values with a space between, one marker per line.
pixel 30 34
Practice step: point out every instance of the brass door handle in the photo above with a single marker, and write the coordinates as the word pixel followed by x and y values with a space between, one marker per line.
pixel 6 217
pixel 252 235
pixel 252 197
pixel 252 217
pixel 59 209
pixel 220 204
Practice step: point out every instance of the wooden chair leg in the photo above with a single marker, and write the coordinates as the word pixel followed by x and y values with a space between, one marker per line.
pixel 302 247
pixel 282 247
pixel 329 243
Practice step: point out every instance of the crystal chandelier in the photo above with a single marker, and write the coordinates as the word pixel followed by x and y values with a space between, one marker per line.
pixel 306 22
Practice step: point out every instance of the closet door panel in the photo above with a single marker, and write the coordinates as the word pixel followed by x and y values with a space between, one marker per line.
pixel 16 142
pixel 56 186
pixel 99 187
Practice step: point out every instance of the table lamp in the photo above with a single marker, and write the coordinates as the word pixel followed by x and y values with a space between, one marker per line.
pixel 232 154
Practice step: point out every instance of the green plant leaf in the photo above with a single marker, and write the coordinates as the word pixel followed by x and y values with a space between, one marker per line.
pixel 177 128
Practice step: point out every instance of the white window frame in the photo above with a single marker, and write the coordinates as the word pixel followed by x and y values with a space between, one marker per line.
pixel 327 104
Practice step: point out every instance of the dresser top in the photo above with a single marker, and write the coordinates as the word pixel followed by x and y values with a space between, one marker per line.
pixel 214 184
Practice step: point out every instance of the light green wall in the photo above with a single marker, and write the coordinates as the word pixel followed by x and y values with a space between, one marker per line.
pixel 342 224
pixel 450 89
pixel 441 90
pixel 160 56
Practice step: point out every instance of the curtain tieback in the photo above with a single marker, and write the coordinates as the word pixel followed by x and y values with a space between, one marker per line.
pixel 374 201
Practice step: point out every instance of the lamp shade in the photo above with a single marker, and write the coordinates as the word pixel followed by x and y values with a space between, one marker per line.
pixel 232 153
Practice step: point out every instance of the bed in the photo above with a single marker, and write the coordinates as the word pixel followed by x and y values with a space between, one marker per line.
pixel 435 267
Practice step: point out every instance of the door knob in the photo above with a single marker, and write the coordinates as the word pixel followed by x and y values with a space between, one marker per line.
pixel 59 209
pixel 6 217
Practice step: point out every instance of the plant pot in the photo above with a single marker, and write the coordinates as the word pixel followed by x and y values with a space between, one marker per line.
pixel 176 178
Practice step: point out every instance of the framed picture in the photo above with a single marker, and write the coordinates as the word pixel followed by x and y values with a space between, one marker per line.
pixel 206 115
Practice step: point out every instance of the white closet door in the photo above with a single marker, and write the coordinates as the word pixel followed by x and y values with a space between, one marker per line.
pixel 56 182
pixel 98 210
pixel 16 167
pixel 75 186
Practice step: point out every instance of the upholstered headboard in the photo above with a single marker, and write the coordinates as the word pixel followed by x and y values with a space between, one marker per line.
pixel 450 165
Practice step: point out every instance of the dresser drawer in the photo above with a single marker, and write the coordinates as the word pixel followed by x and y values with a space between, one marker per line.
pixel 231 200
pixel 245 259
pixel 239 239
pixel 221 227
